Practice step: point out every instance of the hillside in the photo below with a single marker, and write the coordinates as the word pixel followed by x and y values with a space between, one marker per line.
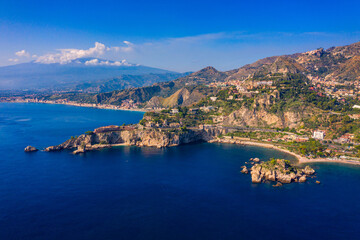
pixel 126 81
pixel 347 71
pixel 326 64
pixel 331 65
pixel 196 82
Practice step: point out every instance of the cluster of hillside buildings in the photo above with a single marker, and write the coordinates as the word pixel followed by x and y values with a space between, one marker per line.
pixel 128 104
pixel 335 89
pixel 346 138
pixel 67 102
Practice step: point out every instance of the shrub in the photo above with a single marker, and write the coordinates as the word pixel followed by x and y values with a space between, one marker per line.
pixel 142 122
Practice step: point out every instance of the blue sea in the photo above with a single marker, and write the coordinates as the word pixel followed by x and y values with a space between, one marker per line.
pixel 193 191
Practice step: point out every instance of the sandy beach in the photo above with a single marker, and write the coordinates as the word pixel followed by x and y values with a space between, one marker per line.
pixel 87 105
pixel 300 158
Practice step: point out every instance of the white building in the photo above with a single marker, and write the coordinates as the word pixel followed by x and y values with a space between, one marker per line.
pixel 174 110
pixel 318 135
pixel 231 97
pixel 207 108
pixel 213 99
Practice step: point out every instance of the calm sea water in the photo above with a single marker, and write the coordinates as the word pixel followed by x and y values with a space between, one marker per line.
pixel 189 192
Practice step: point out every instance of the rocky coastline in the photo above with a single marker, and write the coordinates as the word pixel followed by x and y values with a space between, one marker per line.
pixel 277 170
pixel 138 135
pixel 135 135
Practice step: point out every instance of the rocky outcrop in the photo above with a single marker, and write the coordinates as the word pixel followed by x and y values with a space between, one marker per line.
pixel 244 170
pixel 30 149
pixel 302 179
pixel 279 170
pixel 308 170
pixel 260 116
pixel 137 136
pixel 80 149
pixel 54 148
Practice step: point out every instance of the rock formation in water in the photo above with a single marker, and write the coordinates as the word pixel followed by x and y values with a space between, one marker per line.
pixel 279 170
pixel 244 170
pixel 30 149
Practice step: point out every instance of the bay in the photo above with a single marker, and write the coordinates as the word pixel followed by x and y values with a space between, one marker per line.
pixel 193 191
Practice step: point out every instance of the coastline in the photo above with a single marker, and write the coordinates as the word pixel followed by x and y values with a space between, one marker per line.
pixel 300 158
pixel 86 105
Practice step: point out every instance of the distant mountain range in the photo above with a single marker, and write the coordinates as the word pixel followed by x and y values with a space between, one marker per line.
pixel 85 74
pixel 126 82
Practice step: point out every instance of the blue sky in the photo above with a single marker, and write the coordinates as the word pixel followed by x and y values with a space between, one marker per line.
pixel 175 35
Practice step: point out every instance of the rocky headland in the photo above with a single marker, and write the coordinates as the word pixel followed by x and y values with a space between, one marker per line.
pixel 135 135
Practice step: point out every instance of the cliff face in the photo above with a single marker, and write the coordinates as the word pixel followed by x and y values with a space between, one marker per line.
pixel 139 137
pixel 259 114
pixel 254 118
pixel 262 118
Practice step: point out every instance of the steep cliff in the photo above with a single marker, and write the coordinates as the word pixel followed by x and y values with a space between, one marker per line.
pixel 138 136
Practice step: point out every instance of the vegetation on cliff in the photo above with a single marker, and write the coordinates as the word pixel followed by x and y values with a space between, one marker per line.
pixel 279 170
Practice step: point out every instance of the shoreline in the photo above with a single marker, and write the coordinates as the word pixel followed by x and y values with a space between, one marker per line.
pixel 85 105
pixel 300 158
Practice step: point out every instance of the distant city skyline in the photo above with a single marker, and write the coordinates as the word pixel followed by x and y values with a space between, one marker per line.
pixel 184 36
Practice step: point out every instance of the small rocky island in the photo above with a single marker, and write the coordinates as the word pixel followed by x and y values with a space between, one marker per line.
pixel 277 170
pixel 30 149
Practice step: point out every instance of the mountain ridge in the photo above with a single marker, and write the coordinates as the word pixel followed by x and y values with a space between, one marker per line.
pixel 56 76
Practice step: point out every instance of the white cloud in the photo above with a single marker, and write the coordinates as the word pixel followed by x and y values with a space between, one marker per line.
pixel 22 53
pixel 13 60
pixel 97 62
pixel 67 55
pixel 128 48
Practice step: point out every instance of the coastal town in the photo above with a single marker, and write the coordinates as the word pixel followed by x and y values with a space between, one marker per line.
pixel 126 105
